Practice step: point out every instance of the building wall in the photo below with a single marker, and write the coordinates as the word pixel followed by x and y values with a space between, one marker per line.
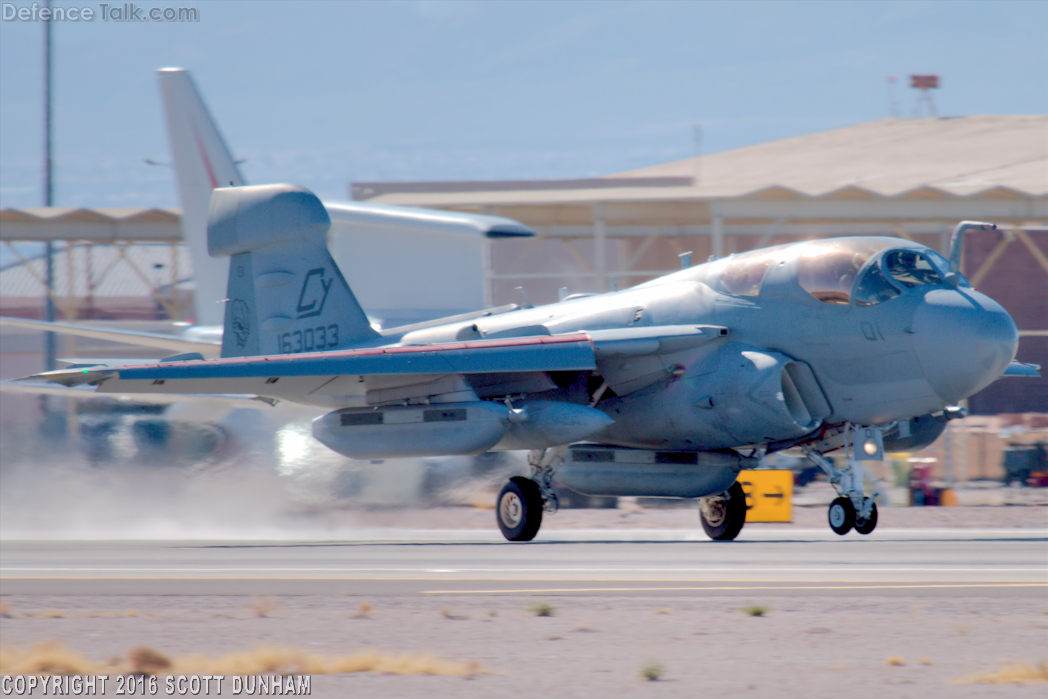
pixel 1019 283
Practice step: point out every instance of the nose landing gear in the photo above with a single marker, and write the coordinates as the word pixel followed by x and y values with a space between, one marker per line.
pixel 841 516
pixel 853 509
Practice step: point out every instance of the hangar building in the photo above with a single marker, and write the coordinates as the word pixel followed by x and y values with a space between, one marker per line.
pixel 912 178
pixel 909 178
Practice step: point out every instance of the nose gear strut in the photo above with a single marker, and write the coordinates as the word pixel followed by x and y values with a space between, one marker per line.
pixel 853 509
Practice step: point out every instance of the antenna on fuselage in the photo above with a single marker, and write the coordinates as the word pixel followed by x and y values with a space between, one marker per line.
pixel 525 302
pixel 685 259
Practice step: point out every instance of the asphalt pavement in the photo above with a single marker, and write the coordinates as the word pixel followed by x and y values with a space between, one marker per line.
pixel 909 562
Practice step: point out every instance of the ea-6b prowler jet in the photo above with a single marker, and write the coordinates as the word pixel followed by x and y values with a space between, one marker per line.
pixel 666 389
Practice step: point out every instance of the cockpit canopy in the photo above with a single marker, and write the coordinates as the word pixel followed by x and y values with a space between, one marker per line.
pixel 898 270
pixel 827 270
pixel 835 271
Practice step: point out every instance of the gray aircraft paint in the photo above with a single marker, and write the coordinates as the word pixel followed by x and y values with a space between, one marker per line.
pixel 285 293
pixel 680 364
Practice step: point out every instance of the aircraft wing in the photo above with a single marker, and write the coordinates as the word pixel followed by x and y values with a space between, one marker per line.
pixel 337 373
pixel 130 337
pixel 43 388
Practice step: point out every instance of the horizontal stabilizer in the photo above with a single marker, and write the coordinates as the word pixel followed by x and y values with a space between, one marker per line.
pixel 1020 369
pixel 130 337
pixel 428 221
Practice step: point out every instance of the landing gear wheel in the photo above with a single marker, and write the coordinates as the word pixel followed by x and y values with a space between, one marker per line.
pixel 842 516
pixel 865 526
pixel 518 509
pixel 723 515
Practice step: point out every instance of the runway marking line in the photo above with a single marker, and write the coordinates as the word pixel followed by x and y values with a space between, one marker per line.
pixel 508 580
pixel 843 586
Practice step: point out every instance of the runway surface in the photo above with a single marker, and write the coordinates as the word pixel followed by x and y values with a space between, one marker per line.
pixel 906 562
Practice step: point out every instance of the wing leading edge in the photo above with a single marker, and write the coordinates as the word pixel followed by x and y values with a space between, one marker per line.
pixel 130 337
pixel 335 373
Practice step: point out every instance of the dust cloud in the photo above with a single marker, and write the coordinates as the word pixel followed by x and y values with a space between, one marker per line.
pixel 127 472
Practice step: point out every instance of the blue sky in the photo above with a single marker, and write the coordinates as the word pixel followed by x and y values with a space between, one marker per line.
pixel 325 93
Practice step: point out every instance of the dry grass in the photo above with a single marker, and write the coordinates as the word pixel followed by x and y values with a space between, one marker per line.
pixel 662 611
pixel 1019 673
pixel 47 659
pixel 280 660
pixel 56 659
pixel 925 661
pixel 756 610
pixel 448 614
pixel 5 611
pixel 543 609
pixel 895 661
pixel 363 611
pixel 262 607
pixel 652 672
pixel 128 613
pixel 143 660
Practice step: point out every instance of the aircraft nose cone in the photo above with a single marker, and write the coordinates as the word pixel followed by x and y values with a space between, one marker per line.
pixel 964 341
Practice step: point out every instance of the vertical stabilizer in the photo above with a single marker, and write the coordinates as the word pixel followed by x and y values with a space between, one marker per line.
pixel 202 163
pixel 286 294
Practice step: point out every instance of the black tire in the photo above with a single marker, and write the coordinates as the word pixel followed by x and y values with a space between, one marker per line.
pixel 865 526
pixel 841 515
pixel 727 514
pixel 518 509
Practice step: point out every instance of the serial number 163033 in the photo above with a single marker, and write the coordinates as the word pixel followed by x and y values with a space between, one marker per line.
pixel 309 340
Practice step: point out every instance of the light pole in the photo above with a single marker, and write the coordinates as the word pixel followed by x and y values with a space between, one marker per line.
pixel 49 302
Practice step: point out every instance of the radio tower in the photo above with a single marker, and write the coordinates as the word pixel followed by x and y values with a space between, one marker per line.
pixel 925 83
pixel 893 102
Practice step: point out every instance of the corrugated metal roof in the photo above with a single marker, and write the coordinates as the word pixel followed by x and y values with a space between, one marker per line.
pixel 112 276
pixel 107 215
pixel 96 225
pixel 890 157
pixel 978 156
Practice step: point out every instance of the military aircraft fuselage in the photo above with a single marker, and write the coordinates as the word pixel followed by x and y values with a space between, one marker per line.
pixel 860 330
pixel 667 389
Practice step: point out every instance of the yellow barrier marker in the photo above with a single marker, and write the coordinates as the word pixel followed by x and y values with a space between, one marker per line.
pixel 769 495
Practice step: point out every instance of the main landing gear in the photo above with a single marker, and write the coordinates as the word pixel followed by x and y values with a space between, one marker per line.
pixel 853 509
pixel 519 509
pixel 723 515
pixel 522 501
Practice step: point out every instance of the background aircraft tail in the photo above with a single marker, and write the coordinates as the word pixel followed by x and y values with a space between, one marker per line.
pixel 202 163
pixel 285 292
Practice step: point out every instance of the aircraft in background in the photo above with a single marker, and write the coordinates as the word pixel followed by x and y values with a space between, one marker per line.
pixel 202 162
pixel 667 389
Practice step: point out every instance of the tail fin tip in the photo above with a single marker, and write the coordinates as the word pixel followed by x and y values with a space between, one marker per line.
pixel 285 293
